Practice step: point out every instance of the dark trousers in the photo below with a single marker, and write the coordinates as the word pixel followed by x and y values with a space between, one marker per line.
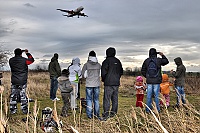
pixel 139 100
pixel 78 93
pixel 53 88
pixel 110 94
pixel 18 94
pixel 66 103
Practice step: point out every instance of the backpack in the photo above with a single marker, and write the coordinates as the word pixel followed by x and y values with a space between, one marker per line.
pixel 152 70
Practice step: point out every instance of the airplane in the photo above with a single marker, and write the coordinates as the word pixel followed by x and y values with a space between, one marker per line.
pixel 72 13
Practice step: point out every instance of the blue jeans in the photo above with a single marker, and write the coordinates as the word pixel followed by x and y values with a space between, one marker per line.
pixel 180 94
pixel 92 96
pixel 153 90
pixel 54 88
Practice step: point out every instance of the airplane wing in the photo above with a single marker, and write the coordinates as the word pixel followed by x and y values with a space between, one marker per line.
pixel 67 11
pixel 70 15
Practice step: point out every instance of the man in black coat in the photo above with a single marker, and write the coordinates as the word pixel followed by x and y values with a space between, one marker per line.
pixel 111 72
pixel 153 80
pixel 19 76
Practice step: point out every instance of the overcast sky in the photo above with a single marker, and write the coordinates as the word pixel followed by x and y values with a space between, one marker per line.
pixel 131 26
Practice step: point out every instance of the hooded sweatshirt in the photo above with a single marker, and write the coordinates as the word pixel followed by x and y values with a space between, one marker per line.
pixel 75 70
pixel 160 62
pixel 180 72
pixel 164 86
pixel 64 84
pixel 111 69
pixel 92 69
pixel 54 67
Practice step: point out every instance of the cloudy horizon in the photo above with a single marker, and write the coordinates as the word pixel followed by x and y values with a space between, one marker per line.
pixel 130 26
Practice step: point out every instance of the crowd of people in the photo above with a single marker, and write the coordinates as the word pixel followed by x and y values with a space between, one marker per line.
pixel 110 72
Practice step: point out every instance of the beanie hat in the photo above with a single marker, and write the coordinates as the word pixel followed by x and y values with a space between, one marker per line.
pixel 65 72
pixel 139 79
pixel 165 77
pixel 92 53
pixel 18 51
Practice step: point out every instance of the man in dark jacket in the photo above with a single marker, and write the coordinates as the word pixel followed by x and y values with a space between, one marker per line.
pixel 111 72
pixel 153 82
pixel 179 83
pixel 19 76
pixel 54 71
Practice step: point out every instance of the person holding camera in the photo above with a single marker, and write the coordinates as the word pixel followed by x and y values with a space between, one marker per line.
pixel 19 76
pixel 151 70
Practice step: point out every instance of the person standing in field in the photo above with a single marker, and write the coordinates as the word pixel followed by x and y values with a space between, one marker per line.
pixel 165 90
pixel 140 88
pixel 19 76
pixel 74 77
pixel 54 71
pixel 91 71
pixel 66 88
pixel 179 82
pixel 151 70
pixel 111 72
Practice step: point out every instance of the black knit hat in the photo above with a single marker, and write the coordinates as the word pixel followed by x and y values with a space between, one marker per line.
pixel 65 72
pixel 18 51
pixel 92 53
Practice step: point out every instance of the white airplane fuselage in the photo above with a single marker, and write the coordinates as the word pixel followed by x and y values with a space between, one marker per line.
pixel 79 9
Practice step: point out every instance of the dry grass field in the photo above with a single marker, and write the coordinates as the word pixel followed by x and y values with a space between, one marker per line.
pixel 128 120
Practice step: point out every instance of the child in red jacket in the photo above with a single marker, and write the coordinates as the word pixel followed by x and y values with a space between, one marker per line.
pixel 140 88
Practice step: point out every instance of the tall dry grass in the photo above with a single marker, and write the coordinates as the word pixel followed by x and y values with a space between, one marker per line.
pixel 129 118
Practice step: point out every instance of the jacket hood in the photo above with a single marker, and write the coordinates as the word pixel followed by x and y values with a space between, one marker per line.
pixel 76 60
pixel 53 59
pixel 165 78
pixel 92 60
pixel 178 61
pixel 152 52
pixel 110 52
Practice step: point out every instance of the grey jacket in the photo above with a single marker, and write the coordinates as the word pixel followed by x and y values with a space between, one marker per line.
pixel 180 72
pixel 92 70
pixel 64 84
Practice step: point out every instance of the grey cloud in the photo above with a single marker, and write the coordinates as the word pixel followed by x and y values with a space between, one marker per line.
pixel 29 5
pixel 44 61
pixel 47 55
pixel 131 26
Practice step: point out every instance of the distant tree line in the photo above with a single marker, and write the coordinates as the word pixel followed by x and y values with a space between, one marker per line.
pixel 40 68
pixel 137 72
